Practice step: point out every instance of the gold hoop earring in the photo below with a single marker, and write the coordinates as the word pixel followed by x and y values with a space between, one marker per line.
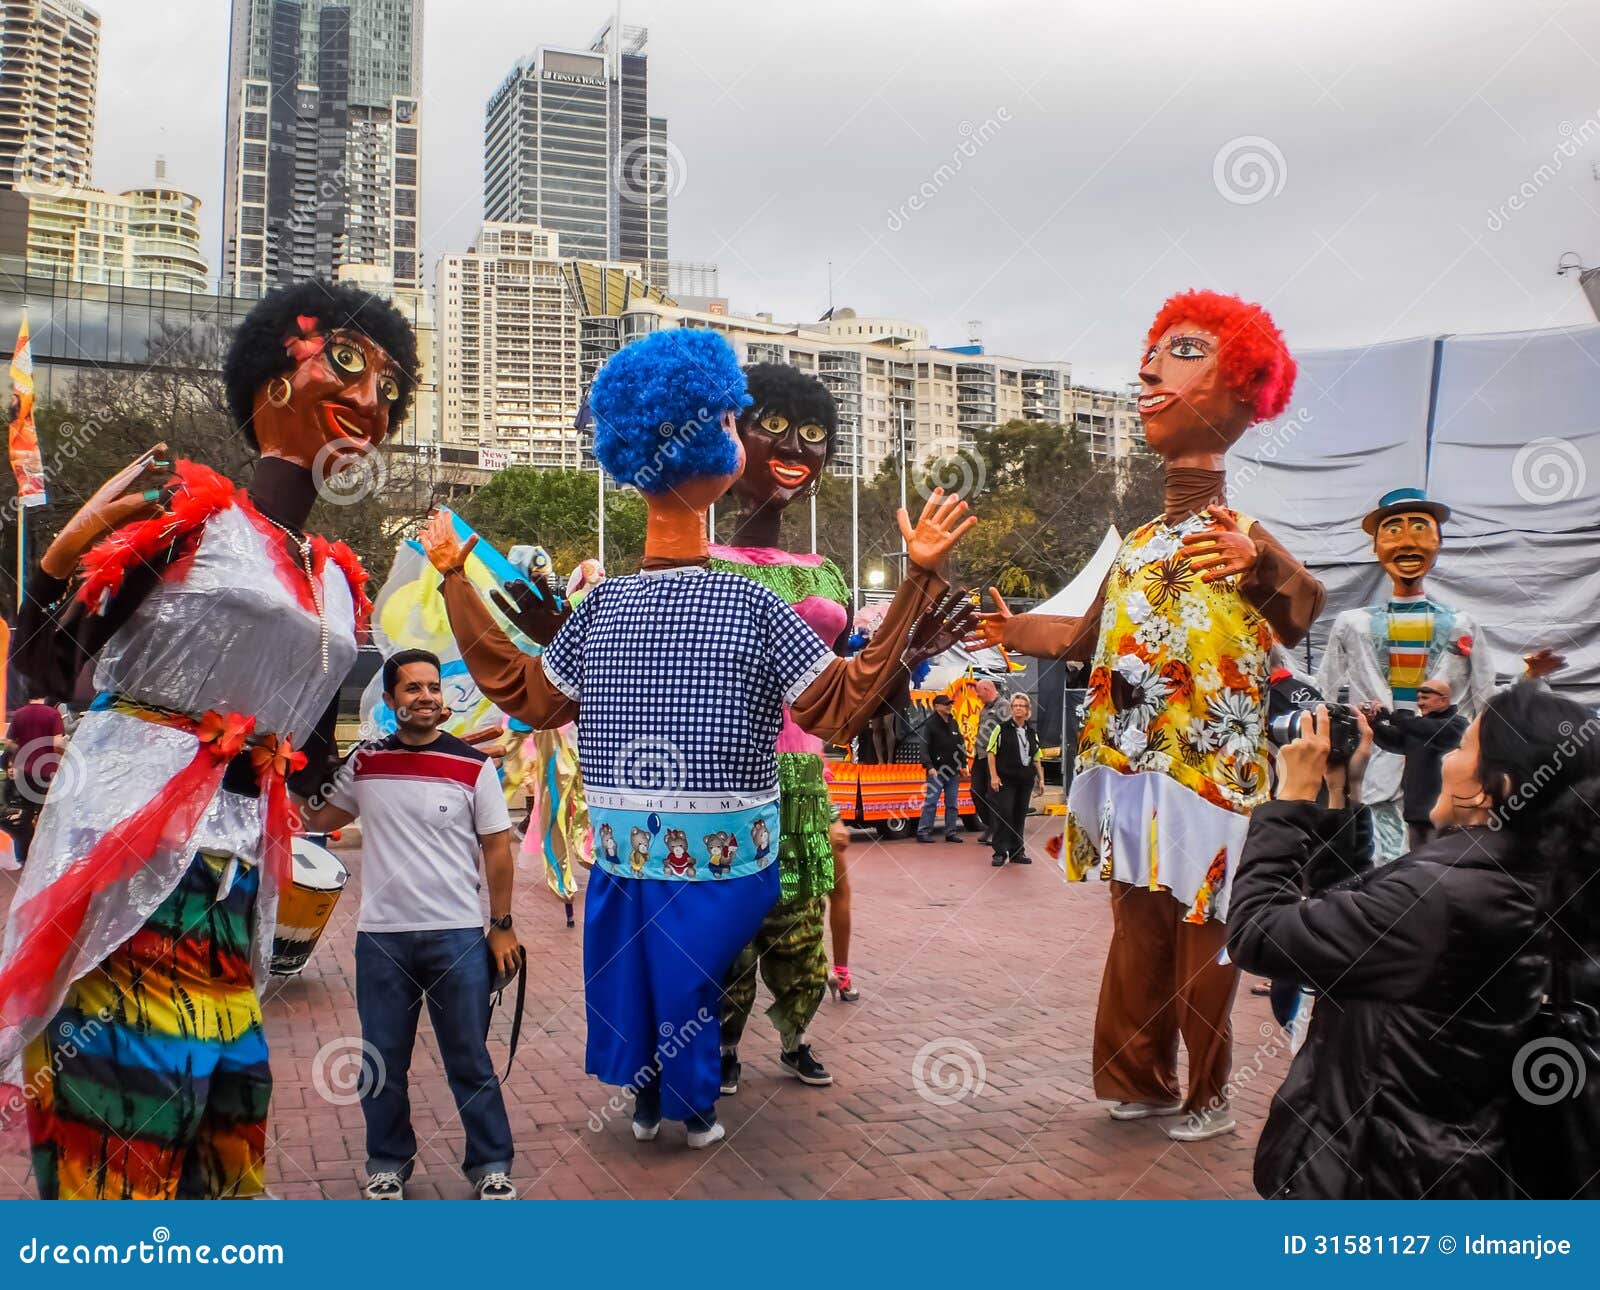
pixel 272 392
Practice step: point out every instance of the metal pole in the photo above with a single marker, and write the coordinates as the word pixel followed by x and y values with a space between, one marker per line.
pixel 22 559
pixel 600 526
pixel 900 416
pixel 813 524
pixel 855 534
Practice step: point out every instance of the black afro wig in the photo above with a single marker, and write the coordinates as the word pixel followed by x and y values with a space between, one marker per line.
pixel 777 387
pixel 257 354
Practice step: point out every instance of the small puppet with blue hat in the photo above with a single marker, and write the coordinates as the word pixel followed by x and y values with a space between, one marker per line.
pixel 1408 648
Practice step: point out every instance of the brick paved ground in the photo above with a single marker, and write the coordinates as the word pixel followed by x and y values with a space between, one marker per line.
pixel 985 971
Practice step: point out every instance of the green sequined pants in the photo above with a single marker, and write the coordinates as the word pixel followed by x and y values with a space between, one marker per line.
pixel 788 947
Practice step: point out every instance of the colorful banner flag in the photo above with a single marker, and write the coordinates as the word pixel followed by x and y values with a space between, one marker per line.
pixel 26 463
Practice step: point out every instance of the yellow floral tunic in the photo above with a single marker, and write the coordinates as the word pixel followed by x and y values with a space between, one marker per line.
pixel 1173 751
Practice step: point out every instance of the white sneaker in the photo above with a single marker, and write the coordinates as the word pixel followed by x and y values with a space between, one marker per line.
pixel 385 1185
pixel 699 1139
pixel 1144 1110
pixel 1207 1124
pixel 496 1186
pixel 643 1132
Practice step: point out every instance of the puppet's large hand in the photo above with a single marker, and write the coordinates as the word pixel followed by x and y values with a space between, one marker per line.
pixel 445 551
pixel 1543 662
pixel 944 624
pixel 1221 551
pixel 943 520
pixel 139 491
pixel 534 607
pixel 991 628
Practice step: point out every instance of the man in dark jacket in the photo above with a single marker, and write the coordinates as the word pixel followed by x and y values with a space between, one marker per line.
pixel 1423 738
pixel 944 754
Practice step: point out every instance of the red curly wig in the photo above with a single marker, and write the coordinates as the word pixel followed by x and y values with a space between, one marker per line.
pixel 1256 364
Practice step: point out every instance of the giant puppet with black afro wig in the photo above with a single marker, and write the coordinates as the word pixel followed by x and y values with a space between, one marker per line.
pixel 262 346
pixel 664 411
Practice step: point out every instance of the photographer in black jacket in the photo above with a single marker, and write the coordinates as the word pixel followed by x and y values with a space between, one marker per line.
pixel 1430 972
pixel 1423 738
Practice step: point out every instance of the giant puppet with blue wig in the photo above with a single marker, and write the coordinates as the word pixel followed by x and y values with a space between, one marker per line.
pixel 677 677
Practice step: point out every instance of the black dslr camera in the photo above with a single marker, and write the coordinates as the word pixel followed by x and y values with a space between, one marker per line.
pixel 1291 701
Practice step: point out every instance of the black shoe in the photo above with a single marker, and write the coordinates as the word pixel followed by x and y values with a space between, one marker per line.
pixel 920 838
pixel 998 861
pixel 806 1068
pixel 954 837
pixel 730 1074
pixel 985 839
pixel 1023 858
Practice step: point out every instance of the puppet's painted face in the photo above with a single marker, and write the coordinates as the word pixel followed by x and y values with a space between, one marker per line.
pixel 1407 544
pixel 1186 406
pixel 340 394
pixel 785 456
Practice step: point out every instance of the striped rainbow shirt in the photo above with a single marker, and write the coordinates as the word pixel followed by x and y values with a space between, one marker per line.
pixel 1410 634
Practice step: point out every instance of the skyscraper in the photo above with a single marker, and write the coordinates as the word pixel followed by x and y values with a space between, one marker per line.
pixel 322 152
pixel 570 145
pixel 49 64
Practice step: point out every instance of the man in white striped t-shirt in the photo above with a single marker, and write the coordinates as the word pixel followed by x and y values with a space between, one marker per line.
pixel 429 804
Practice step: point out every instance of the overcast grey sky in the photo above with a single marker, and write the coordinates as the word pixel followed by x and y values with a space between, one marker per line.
pixel 1349 164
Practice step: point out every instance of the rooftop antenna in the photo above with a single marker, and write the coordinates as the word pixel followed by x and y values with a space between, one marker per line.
pixel 830 288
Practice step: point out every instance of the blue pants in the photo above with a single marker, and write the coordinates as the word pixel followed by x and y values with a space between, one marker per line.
pixel 655 955
pixel 394 970
pixel 946 784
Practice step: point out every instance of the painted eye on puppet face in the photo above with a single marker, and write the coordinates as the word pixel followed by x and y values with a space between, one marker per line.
pixel 389 388
pixel 1187 347
pixel 774 423
pixel 347 357
pixel 811 432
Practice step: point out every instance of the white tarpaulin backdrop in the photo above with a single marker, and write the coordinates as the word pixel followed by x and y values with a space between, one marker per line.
pixel 1504 429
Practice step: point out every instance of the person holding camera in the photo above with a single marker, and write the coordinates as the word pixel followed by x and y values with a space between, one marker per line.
pixel 428 803
pixel 1430 974
pixel 1423 738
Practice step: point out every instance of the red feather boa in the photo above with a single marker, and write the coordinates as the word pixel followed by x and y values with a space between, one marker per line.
pixel 202 493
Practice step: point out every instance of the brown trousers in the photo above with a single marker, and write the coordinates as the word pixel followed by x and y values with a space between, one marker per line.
pixel 1162 980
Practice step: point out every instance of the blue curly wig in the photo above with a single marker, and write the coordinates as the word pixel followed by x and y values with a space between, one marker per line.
pixel 658 406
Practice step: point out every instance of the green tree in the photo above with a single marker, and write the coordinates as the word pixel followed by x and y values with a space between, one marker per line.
pixel 556 509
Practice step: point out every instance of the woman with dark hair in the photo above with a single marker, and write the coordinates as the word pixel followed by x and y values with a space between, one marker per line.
pixel 1430 972
pixel 221 631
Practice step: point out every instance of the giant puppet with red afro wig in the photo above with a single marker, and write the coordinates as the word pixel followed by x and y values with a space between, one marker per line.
pixel 1212 365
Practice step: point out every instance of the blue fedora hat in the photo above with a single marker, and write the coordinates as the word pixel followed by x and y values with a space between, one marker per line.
pixel 1403 501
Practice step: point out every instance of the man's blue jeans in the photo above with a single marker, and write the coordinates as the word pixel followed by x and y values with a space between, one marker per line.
pixel 394 971
pixel 945 784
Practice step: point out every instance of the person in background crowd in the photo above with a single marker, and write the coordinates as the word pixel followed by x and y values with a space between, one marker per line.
pixel 34 741
pixel 429 803
pixel 944 754
pixel 1422 738
pixel 996 709
pixel 1431 972
pixel 1016 772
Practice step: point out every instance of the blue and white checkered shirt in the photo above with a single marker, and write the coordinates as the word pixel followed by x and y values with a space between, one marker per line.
pixel 680 676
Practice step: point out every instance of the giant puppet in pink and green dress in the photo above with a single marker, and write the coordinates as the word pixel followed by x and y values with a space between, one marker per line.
pixel 788 433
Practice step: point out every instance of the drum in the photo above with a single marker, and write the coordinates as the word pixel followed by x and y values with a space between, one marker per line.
pixel 305 908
